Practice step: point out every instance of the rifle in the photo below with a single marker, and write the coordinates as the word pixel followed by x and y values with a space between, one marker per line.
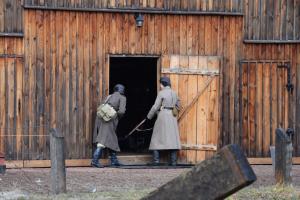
pixel 135 128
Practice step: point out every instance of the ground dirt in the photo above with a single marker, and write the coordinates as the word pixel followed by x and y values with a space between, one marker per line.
pixel 113 183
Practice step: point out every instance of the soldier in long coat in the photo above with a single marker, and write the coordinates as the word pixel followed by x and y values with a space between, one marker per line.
pixel 104 134
pixel 165 133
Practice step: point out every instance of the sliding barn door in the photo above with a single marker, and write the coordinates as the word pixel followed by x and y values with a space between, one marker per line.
pixel 265 104
pixel 196 81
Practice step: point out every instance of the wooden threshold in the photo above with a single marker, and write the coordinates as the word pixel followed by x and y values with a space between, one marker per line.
pixel 140 159
pixel 125 159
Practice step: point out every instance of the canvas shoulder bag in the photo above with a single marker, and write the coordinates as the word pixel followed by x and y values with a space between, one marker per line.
pixel 106 111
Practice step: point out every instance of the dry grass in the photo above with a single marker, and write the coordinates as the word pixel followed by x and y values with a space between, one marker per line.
pixel 266 193
pixel 124 195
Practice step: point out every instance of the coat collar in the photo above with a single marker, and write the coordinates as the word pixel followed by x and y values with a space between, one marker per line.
pixel 167 87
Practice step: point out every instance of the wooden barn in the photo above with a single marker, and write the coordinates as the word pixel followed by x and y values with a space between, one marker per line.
pixel 234 63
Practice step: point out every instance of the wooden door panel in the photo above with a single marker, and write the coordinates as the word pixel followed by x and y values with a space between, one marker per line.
pixel 196 81
pixel 264 105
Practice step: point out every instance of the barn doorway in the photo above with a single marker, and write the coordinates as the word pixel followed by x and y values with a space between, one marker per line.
pixel 139 75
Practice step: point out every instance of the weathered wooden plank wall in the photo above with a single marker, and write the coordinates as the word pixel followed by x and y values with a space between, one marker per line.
pixel 11 47
pixel 264 101
pixel 191 5
pixel 272 20
pixel 11 16
pixel 65 67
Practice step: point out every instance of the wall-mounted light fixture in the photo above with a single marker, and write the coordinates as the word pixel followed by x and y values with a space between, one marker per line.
pixel 139 19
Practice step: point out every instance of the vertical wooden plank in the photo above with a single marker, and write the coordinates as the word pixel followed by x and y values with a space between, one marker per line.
pixel 72 83
pixel 100 54
pixel 8 16
pixel 270 20
pixel 287 98
pixel 60 71
pixel 195 35
pixel 19 107
pixel 263 21
pixel 266 109
pixel 94 71
pixel 237 87
pixel 47 78
pixel 158 34
pixel 32 88
pixel 232 69
pixel 208 35
pixel 86 81
pixel 2 105
pixel 119 35
pixel 283 12
pixel 176 34
pixel 10 108
pixel 201 37
pixel 252 107
pixel 25 71
pixel 297 20
pixel 151 34
pixel 245 138
pixel 170 34
pixel 125 32
pixel 292 97
pixel 297 90
pixel 276 27
pixel 183 35
pixel 183 87
pixel 225 89
pixel 259 108
pixel 2 14
pixel 192 85
pixel 202 113
pixel 113 34
pixel 53 120
pixel 66 84
pixel 189 35
pixel 40 121
pixel 213 108
pixel 164 35
pixel 80 87
pixel 274 102
pixel 290 20
pixel 131 33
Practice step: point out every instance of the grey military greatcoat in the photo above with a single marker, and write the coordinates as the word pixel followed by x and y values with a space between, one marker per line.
pixel 165 133
pixel 105 132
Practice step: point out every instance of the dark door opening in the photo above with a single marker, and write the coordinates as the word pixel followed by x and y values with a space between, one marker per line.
pixel 139 75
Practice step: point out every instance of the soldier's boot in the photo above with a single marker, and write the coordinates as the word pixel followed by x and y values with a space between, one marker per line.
pixel 155 157
pixel 114 162
pixel 173 158
pixel 95 161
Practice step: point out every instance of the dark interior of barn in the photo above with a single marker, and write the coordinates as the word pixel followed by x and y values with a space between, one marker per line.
pixel 139 76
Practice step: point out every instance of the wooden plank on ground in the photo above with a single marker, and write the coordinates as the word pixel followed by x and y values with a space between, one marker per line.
pixel 231 172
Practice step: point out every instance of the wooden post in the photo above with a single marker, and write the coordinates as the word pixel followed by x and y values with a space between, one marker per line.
pixel 58 170
pixel 2 163
pixel 283 157
pixel 216 178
